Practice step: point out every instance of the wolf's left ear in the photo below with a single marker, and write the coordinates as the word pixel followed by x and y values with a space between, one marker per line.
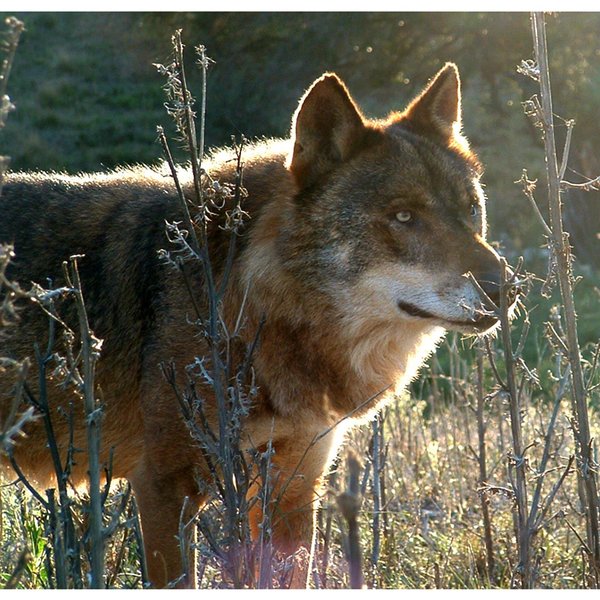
pixel 436 111
pixel 327 129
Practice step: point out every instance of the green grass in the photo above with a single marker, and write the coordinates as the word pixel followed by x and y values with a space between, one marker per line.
pixel 84 101
pixel 25 529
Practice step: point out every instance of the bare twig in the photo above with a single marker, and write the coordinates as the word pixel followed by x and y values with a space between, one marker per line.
pixel 90 352
pixel 481 457
pixel 518 456
pixel 528 189
pixel 587 186
pixel 13 34
pixel 570 123
pixel 376 452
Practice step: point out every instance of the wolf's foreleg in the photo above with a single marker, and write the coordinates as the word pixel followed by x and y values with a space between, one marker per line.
pixel 163 508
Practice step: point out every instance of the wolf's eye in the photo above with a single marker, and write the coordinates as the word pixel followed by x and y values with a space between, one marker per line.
pixel 404 216
pixel 474 210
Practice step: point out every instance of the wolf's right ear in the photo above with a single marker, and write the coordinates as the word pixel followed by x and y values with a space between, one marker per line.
pixel 327 128
pixel 437 111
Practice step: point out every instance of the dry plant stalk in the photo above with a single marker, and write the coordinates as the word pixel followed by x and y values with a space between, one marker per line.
pixel 559 242
pixel 90 352
pixel 74 528
pixel 70 534
pixel 240 476
pixel 377 463
pixel 531 510
pixel 517 462
pixel 13 425
pixel 481 456
pixel 68 541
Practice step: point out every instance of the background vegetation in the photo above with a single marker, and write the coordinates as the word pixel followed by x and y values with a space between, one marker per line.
pixel 89 98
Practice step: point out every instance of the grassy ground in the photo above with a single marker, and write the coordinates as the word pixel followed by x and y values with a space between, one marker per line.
pixel 429 524
pixel 69 85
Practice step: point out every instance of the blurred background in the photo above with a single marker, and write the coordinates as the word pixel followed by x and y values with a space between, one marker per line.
pixel 89 98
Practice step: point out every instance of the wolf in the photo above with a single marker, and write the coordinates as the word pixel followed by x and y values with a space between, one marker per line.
pixel 366 241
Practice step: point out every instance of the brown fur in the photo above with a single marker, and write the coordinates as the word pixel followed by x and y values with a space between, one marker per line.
pixel 354 299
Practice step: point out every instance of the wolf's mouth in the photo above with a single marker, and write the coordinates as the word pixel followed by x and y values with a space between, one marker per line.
pixel 415 311
pixel 482 324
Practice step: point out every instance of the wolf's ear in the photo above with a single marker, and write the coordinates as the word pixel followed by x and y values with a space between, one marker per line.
pixel 436 111
pixel 327 128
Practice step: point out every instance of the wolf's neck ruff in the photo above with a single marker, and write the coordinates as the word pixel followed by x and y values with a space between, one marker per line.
pixel 352 353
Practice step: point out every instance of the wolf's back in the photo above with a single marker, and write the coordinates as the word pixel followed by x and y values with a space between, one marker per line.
pixel 115 223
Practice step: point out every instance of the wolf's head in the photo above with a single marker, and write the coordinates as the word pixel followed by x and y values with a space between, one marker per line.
pixel 390 215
